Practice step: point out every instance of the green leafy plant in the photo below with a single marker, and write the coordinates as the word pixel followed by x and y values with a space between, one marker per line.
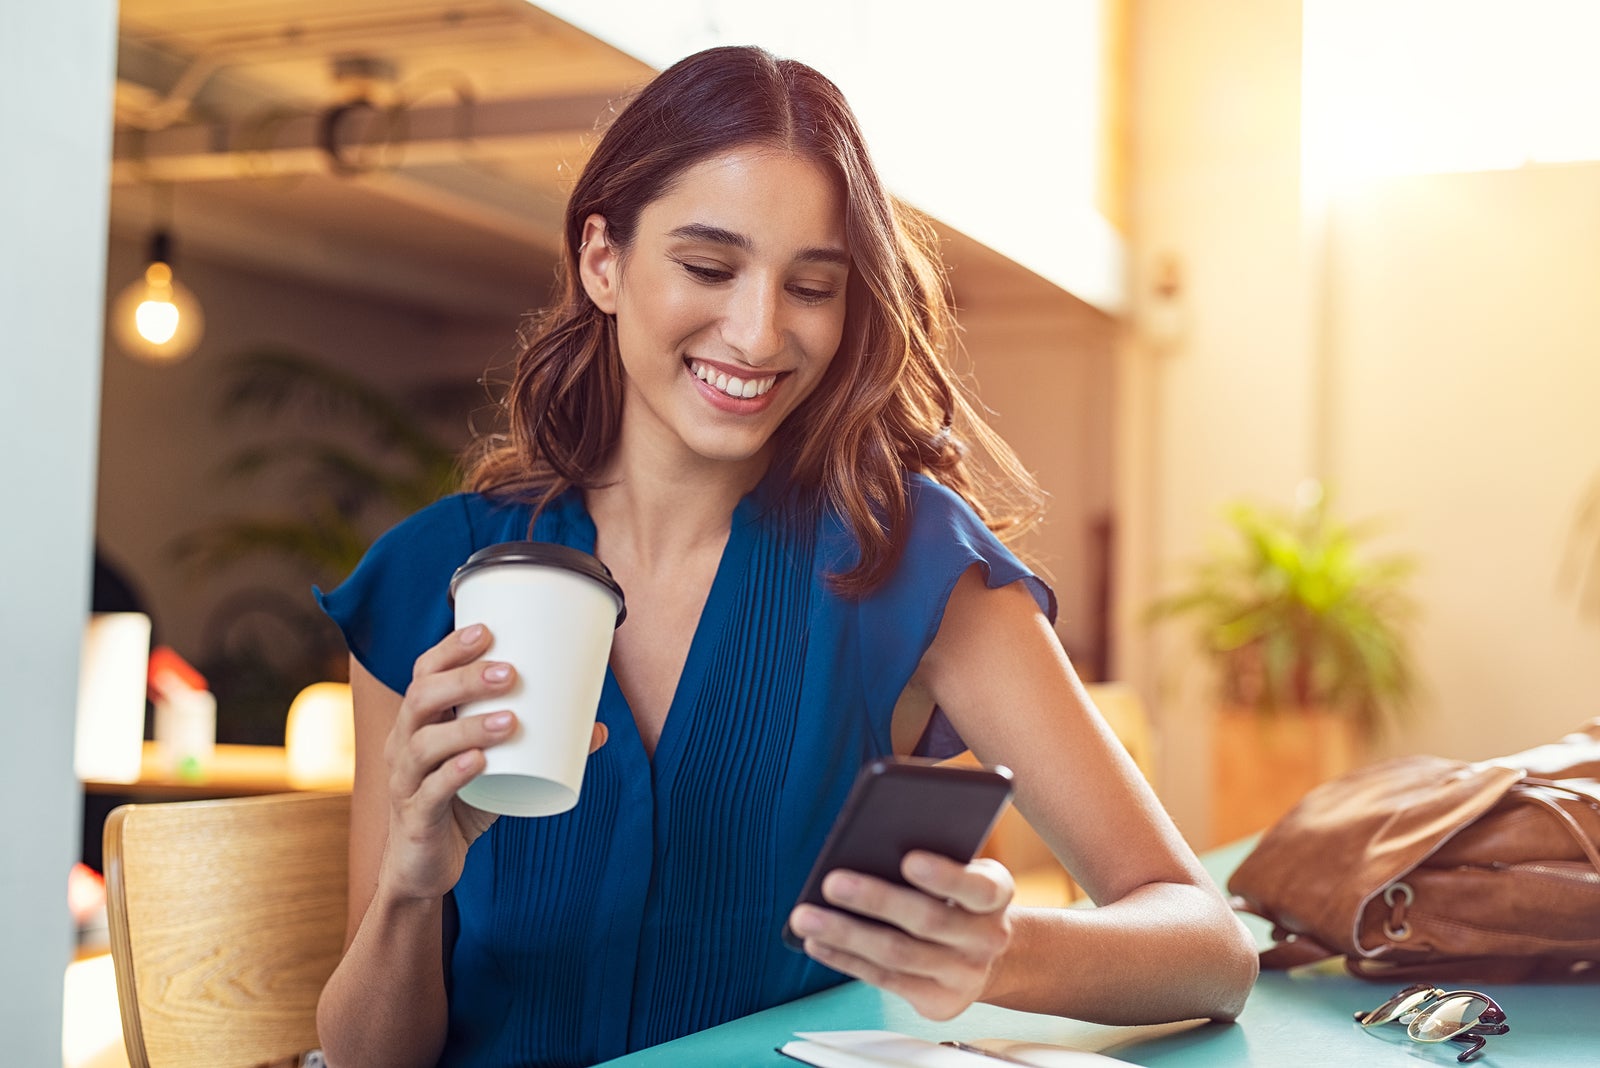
pixel 358 459
pixel 351 492
pixel 1295 614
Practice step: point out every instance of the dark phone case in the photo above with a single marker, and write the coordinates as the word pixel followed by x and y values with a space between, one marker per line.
pixel 903 804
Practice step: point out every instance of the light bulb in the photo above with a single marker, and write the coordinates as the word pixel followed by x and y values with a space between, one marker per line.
pixel 156 321
pixel 156 318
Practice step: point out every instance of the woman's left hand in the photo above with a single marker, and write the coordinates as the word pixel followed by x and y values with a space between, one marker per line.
pixel 948 934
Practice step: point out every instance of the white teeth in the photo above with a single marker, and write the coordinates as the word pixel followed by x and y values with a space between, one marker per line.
pixel 732 386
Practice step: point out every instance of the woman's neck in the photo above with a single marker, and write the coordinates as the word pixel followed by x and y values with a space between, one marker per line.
pixel 652 510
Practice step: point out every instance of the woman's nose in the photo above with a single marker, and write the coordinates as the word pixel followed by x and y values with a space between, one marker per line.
pixel 753 325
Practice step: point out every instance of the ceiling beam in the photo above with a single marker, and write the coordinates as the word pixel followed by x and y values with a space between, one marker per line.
pixel 209 79
pixel 355 139
pixel 479 208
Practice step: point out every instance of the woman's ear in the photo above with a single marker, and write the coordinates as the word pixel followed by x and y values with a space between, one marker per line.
pixel 598 265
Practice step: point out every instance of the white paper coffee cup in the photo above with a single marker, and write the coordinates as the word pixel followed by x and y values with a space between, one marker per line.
pixel 551 611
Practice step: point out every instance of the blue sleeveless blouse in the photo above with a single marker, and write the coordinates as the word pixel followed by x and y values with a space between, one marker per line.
pixel 654 907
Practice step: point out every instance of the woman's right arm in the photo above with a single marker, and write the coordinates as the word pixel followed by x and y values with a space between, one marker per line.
pixel 385 1002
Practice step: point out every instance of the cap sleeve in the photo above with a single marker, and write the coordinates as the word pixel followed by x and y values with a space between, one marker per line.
pixel 900 619
pixel 395 605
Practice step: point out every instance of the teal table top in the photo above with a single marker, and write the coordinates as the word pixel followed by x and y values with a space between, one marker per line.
pixel 1292 1020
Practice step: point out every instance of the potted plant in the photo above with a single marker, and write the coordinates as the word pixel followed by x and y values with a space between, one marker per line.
pixel 360 458
pixel 1308 633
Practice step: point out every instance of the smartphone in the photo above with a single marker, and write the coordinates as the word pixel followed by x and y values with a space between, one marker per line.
pixel 905 803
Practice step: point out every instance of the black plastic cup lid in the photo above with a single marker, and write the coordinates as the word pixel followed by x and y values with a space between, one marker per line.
pixel 541 554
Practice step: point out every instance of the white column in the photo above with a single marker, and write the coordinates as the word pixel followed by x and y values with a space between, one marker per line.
pixel 57 63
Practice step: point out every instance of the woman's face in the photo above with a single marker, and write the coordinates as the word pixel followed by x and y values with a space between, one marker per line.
pixel 730 302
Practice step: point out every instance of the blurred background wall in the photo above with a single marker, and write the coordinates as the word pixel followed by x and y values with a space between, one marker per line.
pixel 1423 343
pixel 1466 394
pixel 1214 400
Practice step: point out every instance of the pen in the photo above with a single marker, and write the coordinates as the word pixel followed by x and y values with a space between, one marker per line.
pixel 967 1047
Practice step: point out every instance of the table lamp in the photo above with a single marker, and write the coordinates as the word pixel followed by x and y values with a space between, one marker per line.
pixel 321 738
pixel 111 689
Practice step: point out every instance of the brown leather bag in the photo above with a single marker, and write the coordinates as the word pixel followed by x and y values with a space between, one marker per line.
pixel 1432 868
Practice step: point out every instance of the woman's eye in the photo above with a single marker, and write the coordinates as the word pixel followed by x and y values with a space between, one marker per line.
pixel 813 294
pixel 706 274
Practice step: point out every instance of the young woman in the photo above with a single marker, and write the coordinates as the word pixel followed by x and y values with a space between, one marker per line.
pixel 742 404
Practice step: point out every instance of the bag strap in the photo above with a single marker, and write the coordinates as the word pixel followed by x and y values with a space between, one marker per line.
pixel 1538 791
pixel 1291 950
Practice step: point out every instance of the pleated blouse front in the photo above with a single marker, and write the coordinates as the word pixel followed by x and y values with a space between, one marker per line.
pixel 654 907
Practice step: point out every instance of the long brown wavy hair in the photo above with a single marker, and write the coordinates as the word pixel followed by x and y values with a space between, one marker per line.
pixel 890 402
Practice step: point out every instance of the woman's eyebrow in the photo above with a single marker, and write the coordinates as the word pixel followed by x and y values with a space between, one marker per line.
pixel 717 235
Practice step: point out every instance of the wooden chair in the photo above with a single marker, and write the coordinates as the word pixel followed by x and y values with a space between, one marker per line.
pixel 226 919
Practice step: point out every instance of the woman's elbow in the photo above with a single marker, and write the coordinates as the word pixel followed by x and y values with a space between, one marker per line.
pixel 1238 967
pixel 328 1033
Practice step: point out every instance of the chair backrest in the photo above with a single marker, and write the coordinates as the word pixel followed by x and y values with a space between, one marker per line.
pixel 226 917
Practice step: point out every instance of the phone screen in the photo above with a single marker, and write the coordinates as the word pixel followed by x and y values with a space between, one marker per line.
pixel 901 804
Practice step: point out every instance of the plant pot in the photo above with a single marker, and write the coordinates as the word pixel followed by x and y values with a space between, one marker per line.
pixel 1263 763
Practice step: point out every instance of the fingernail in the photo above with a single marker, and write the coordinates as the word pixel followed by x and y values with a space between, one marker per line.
pixel 805 922
pixel 497 672
pixel 843 883
pixel 472 635
pixel 919 867
pixel 497 721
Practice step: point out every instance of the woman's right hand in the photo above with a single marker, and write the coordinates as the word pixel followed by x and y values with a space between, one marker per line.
pixel 431 753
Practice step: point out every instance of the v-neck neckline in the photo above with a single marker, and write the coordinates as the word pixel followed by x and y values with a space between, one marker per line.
pixel 725 582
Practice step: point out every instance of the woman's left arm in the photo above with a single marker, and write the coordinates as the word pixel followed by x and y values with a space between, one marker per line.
pixel 1162 945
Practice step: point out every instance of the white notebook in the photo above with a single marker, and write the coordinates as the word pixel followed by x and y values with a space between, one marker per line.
pixel 878 1049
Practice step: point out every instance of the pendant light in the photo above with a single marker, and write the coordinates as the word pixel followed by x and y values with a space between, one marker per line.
pixel 157 318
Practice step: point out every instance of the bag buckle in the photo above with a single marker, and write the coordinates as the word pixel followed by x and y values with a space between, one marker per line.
pixel 1395 927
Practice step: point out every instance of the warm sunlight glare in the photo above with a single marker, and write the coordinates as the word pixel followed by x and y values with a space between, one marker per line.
pixel 970 109
pixel 1430 86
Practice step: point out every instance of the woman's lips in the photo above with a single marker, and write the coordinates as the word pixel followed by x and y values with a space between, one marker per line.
pixel 731 386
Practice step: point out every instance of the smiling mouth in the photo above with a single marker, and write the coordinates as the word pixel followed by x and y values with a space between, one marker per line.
pixel 722 382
